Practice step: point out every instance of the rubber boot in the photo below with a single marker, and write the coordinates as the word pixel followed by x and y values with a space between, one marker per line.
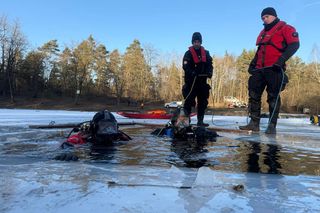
pixel 252 125
pixel 271 129
pixel 200 121
pixel 274 113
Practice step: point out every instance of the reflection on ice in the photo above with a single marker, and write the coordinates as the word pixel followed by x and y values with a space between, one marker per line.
pixel 57 187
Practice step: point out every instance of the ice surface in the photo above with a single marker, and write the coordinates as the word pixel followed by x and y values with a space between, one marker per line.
pixel 38 184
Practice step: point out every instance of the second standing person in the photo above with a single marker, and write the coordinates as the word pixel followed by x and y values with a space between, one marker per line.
pixel 277 42
pixel 197 66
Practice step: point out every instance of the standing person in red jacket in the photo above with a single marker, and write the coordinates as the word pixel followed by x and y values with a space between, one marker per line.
pixel 277 42
pixel 197 66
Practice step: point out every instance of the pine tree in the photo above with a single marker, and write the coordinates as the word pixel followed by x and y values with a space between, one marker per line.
pixel 66 66
pixel 84 60
pixel 32 73
pixel 137 74
pixel 101 69
pixel 117 74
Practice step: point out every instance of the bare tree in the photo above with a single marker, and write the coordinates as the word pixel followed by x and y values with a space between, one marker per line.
pixel 12 44
pixel 315 58
pixel 3 42
pixel 151 55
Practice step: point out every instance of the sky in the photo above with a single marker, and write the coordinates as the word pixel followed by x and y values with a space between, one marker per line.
pixel 167 25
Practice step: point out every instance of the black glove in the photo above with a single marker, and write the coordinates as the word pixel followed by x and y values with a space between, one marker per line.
pixel 194 74
pixel 279 65
pixel 277 68
pixel 66 157
pixel 251 68
pixel 210 74
pixel 66 145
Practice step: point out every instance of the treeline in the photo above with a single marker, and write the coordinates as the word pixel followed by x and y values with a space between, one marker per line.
pixel 89 68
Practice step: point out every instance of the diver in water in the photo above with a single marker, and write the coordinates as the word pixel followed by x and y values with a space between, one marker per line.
pixel 101 131
pixel 179 127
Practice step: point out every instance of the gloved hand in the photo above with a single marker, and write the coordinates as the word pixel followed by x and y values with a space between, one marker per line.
pixel 210 74
pixel 277 68
pixel 194 74
pixel 66 157
pixel 279 65
pixel 66 145
pixel 252 68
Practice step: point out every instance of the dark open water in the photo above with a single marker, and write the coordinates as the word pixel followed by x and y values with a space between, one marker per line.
pixel 22 146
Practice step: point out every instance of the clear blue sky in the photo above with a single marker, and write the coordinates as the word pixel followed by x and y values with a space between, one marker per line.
pixel 228 25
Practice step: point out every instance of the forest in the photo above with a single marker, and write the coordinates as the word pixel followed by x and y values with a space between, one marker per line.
pixel 89 69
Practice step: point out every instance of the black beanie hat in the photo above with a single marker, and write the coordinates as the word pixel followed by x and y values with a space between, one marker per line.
pixel 196 36
pixel 269 11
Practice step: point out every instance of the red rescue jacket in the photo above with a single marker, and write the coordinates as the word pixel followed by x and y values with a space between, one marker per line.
pixel 195 57
pixel 272 43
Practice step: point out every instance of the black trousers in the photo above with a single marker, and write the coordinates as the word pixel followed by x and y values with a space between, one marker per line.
pixel 199 91
pixel 274 82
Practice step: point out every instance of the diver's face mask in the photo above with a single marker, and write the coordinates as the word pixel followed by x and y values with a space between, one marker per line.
pixel 182 126
pixel 105 127
pixel 182 122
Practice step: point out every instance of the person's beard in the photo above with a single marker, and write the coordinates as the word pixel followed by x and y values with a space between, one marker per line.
pixel 197 47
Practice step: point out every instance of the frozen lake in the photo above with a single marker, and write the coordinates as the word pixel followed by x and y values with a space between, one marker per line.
pixel 150 174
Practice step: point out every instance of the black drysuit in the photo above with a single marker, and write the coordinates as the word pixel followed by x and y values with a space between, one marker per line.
pixel 196 86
